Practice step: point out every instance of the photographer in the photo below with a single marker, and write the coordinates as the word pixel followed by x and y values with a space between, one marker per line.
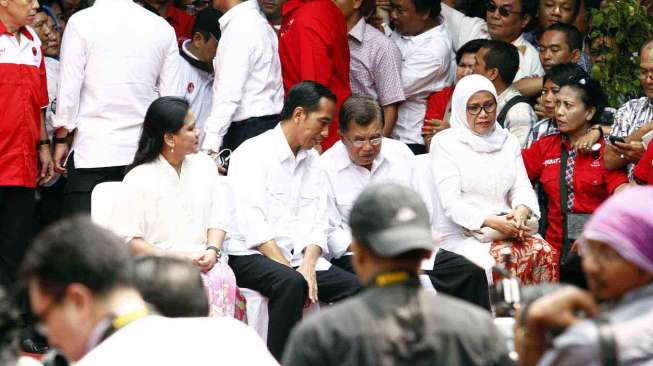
pixel 617 258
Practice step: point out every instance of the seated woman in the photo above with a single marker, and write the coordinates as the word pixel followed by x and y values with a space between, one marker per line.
pixel 579 103
pixel 483 188
pixel 176 203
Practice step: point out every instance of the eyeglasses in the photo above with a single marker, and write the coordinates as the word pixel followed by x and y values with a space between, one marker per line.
pixel 645 73
pixel 374 141
pixel 475 109
pixel 503 11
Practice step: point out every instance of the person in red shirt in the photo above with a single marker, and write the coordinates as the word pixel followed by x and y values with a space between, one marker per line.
pixel 24 141
pixel 579 104
pixel 178 19
pixel 313 46
pixel 643 173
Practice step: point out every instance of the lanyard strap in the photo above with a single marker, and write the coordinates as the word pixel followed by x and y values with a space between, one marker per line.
pixel 394 277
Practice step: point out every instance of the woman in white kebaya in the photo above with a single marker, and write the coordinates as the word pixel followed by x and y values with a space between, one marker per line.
pixel 488 204
pixel 177 203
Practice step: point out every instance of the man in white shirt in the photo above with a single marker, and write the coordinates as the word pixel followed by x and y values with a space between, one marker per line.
pixel 462 28
pixel 506 21
pixel 79 278
pixel 196 64
pixel 248 89
pixel 426 53
pixel 108 78
pixel 363 157
pixel 279 231
pixel 498 61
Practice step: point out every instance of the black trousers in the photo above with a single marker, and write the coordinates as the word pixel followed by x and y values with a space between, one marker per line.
pixel 417 149
pixel 241 131
pixel 49 204
pixel 16 229
pixel 286 290
pixel 452 274
pixel 80 184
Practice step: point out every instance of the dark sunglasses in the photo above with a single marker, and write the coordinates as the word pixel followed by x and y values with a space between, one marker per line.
pixel 503 11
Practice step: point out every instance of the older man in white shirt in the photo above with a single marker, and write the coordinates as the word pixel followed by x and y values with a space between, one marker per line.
pixel 426 52
pixel 280 224
pixel 248 89
pixel 110 73
pixel 364 157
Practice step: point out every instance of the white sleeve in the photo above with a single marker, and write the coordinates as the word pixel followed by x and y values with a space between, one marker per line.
pixel 71 77
pixel 338 233
pixel 318 234
pixel 519 121
pixel 522 192
pixel 169 77
pixel 221 203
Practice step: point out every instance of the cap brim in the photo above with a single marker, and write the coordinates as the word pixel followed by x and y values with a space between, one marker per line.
pixel 398 240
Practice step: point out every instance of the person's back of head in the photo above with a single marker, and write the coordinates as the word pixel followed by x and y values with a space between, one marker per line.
pixel 172 285
pixel 502 56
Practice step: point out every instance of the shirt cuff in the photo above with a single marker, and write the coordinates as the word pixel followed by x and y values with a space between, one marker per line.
pixel 338 242
pixel 212 141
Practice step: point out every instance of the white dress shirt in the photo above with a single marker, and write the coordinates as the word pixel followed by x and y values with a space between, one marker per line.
pixel 248 72
pixel 529 59
pixel 170 211
pixel 520 118
pixel 461 28
pixel 155 340
pixel 426 61
pixel 277 195
pixel 196 85
pixel 113 56
pixel 346 180
pixel 52 75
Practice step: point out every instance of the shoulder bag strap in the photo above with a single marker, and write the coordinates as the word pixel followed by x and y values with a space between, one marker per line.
pixel 607 342
pixel 563 192
pixel 501 118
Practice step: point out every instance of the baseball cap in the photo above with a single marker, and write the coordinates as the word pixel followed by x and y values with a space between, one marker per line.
pixel 391 220
pixel 207 20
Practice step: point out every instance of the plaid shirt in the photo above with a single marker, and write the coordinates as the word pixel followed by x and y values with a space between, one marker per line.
pixel 630 117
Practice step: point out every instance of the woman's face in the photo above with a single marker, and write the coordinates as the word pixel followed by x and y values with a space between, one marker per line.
pixel 572 115
pixel 186 140
pixel 549 92
pixel 481 112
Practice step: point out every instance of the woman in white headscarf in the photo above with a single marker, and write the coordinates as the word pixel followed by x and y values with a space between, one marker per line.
pixel 489 208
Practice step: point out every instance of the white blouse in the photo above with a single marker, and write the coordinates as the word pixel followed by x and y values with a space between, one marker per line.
pixel 472 186
pixel 170 211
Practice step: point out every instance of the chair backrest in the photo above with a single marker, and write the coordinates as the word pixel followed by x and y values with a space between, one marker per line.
pixel 103 200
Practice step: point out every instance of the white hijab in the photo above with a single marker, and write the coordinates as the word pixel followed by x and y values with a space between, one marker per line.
pixel 465 88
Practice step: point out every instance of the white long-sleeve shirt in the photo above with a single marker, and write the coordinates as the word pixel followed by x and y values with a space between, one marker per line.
pixel 426 61
pixel 529 59
pixel 462 28
pixel 277 195
pixel 114 55
pixel 248 72
pixel 346 180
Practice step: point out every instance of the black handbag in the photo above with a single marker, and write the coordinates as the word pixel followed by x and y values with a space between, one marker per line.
pixel 572 227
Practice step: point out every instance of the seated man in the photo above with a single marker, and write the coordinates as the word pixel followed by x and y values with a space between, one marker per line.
pixel 79 278
pixel 617 257
pixel 363 157
pixel 280 214
pixel 394 321
pixel 498 61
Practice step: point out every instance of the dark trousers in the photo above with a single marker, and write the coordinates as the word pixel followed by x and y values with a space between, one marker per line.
pixel 452 274
pixel 49 204
pixel 16 229
pixel 417 149
pixel 287 290
pixel 241 131
pixel 80 184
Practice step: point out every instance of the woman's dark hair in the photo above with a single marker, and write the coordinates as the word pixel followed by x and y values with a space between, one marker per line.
pixel 559 74
pixel 165 115
pixel 591 94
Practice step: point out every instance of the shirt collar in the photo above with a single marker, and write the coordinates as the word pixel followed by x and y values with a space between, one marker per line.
pixel 184 49
pixel 243 7
pixel 283 148
pixel 23 30
pixel 358 32
pixel 637 294
pixel 344 161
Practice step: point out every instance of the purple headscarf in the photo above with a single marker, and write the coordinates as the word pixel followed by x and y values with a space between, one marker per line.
pixel 625 223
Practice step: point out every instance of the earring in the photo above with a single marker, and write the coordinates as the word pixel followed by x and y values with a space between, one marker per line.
pixel 172 149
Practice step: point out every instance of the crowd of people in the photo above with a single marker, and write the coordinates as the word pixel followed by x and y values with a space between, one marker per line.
pixel 390 161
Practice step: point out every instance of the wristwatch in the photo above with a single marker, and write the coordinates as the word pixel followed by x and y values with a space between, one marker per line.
pixel 218 251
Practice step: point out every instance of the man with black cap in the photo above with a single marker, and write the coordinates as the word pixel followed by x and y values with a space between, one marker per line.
pixel 196 66
pixel 394 321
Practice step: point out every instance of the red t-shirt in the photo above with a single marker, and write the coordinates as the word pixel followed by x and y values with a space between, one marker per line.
pixel 313 46
pixel 438 104
pixel 644 168
pixel 593 183
pixel 182 22
pixel 23 93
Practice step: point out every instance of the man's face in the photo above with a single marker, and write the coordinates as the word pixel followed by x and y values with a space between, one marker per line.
pixel 67 319
pixel 507 26
pixel 479 63
pixel 20 12
pixel 43 26
pixel 465 66
pixel 554 49
pixel 646 72
pixel 609 275
pixel 206 48
pixel 556 11
pixel 363 143
pixel 271 8
pixel 406 19
pixel 314 126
